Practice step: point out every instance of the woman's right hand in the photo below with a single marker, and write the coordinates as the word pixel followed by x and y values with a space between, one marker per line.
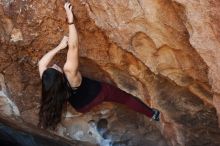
pixel 68 7
pixel 63 44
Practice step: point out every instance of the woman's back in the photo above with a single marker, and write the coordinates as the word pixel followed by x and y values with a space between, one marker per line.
pixel 85 93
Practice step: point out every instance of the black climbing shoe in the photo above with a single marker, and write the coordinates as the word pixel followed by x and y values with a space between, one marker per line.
pixel 156 115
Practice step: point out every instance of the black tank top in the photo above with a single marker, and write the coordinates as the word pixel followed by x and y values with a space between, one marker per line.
pixel 85 93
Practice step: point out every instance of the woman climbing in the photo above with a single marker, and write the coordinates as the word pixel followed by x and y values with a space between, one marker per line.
pixel 68 85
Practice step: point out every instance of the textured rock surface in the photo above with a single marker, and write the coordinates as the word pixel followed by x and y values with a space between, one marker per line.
pixel 14 131
pixel 164 52
pixel 6 105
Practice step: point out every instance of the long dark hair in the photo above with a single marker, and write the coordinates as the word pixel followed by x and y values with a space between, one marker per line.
pixel 54 98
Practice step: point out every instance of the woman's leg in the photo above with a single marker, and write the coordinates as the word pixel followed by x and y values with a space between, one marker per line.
pixel 114 94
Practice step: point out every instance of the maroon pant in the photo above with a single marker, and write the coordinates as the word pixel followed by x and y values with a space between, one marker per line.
pixel 110 93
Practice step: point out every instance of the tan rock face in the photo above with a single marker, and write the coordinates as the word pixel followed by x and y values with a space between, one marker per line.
pixel 204 37
pixel 164 52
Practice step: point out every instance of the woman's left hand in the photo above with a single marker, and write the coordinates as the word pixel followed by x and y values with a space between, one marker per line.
pixel 68 7
pixel 63 44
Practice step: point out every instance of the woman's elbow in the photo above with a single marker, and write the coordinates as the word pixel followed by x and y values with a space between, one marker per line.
pixel 67 70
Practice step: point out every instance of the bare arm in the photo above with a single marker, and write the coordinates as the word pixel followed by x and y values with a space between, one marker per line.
pixel 72 63
pixel 45 60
